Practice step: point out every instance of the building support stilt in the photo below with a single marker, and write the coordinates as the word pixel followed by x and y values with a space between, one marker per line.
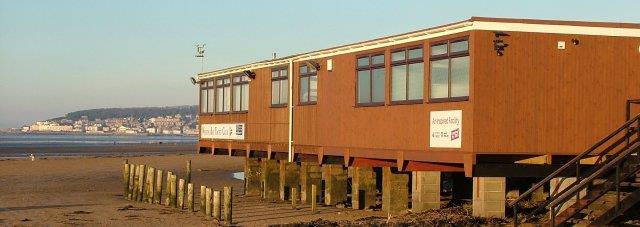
pixel 489 196
pixel 395 190
pixel 363 188
pixel 425 190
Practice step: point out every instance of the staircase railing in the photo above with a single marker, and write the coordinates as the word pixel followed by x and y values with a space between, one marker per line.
pixel 624 132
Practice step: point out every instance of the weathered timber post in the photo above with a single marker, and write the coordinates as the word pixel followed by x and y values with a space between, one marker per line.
pixel 203 194
pixel 294 198
pixel 125 179
pixel 174 191
pixel 188 177
pixel 228 205
pixel 190 197
pixel 167 196
pixel 180 199
pixel 157 196
pixel 314 198
pixel 141 182
pixel 136 179
pixel 217 206
pixel 151 176
pixel 132 173
pixel 208 203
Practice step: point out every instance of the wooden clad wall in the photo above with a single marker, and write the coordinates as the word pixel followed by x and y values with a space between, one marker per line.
pixel 539 99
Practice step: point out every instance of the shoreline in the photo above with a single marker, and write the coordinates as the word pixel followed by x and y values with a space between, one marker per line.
pixel 90 150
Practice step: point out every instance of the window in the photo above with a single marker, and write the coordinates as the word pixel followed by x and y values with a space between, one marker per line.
pixel 407 75
pixel 240 95
pixel 206 97
pixel 370 80
pixel 223 94
pixel 279 87
pixel 449 71
pixel 308 85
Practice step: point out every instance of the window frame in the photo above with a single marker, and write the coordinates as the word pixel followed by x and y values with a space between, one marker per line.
pixel 448 56
pixel 406 61
pixel 370 67
pixel 205 87
pixel 240 84
pixel 223 85
pixel 308 75
pixel 279 78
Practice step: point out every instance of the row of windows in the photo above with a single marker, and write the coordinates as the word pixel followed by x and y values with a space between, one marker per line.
pixel 449 70
pixel 225 88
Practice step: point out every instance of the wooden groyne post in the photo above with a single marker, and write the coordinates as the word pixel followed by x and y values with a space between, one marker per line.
pixel 151 177
pixel 131 181
pixel 228 206
pixel 217 205
pixel 180 199
pixel 167 191
pixel 136 179
pixel 294 198
pixel 203 194
pixel 188 177
pixel 190 197
pixel 314 198
pixel 125 178
pixel 157 196
pixel 173 191
pixel 208 203
pixel 141 182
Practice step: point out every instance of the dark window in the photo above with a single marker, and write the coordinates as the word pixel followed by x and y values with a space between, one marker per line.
pixel 279 87
pixel 407 75
pixel 206 97
pixel 308 85
pixel 370 80
pixel 223 94
pixel 449 64
pixel 240 95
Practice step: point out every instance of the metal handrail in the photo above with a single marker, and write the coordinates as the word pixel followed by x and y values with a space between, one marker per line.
pixel 574 160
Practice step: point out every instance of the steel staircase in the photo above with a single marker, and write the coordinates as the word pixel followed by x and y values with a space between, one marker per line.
pixel 601 192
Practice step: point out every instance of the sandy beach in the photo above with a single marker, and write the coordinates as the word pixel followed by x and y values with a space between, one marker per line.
pixel 88 191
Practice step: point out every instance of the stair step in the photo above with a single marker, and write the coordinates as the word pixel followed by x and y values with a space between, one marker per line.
pixel 631 184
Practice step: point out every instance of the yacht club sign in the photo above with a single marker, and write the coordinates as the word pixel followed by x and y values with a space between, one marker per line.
pixel 222 131
pixel 446 129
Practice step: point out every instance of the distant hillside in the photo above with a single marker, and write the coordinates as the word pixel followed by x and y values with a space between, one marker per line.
pixel 136 112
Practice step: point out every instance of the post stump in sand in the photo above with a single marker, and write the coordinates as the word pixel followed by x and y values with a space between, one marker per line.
pixel 173 194
pixel 208 203
pixel 188 177
pixel 228 200
pixel 157 196
pixel 314 198
pixel 125 178
pixel 190 197
pixel 180 199
pixel 151 177
pixel 203 195
pixel 167 196
pixel 217 206
pixel 131 181
pixel 136 179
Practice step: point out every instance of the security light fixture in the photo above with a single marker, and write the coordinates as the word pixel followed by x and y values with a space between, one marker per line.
pixel 249 74
pixel 498 44
pixel 193 81
pixel 575 41
pixel 313 64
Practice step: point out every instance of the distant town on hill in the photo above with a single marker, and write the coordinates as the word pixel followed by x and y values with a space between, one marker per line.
pixel 171 120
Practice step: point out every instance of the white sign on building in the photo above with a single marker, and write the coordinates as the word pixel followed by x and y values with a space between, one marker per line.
pixel 222 131
pixel 446 129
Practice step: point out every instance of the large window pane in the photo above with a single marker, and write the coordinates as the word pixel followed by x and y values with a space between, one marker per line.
pixel 284 91
pixel 460 77
pixel 415 53
pixel 439 49
pixel 275 92
pixel 378 59
pixel 362 62
pixel 377 85
pixel 397 56
pixel 203 101
pixel 313 88
pixel 236 98
pixel 399 83
pixel 210 100
pixel 439 79
pixel 304 89
pixel 219 99
pixel 459 46
pixel 245 97
pixel 416 83
pixel 227 99
pixel 364 86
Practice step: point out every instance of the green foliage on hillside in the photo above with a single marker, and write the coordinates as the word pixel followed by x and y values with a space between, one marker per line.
pixel 135 112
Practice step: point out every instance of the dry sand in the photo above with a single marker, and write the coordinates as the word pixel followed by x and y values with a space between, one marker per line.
pixel 88 191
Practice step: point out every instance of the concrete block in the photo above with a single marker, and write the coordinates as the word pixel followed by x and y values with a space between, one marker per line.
pixel 425 190
pixel 289 178
pixel 489 196
pixel 395 191
pixel 335 184
pixel 270 179
pixel 310 174
pixel 363 187
pixel 252 177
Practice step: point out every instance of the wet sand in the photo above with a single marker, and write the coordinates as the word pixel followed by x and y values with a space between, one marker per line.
pixel 88 191
pixel 98 150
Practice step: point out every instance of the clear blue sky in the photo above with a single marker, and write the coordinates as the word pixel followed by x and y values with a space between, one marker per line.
pixel 61 56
